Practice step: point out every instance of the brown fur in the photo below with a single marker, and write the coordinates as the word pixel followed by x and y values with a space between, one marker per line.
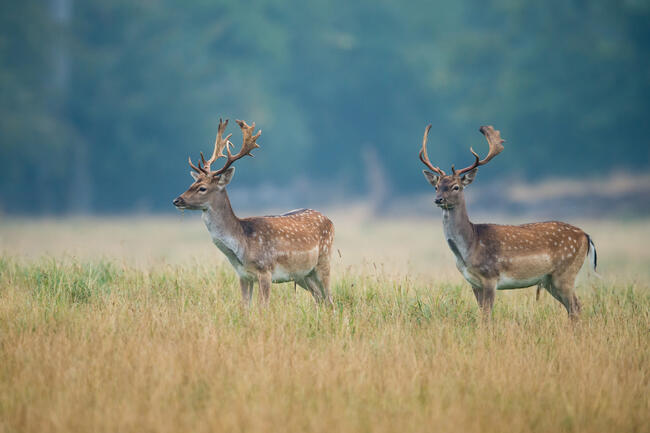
pixel 491 256
pixel 292 247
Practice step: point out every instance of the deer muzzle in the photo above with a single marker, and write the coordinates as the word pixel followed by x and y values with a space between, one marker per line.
pixel 179 202
pixel 443 203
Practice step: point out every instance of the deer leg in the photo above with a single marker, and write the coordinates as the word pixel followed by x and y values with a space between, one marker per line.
pixel 485 297
pixel 302 284
pixel 314 288
pixel 322 277
pixel 563 290
pixel 324 290
pixel 246 291
pixel 305 285
pixel 478 294
pixel 310 284
pixel 489 291
pixel 264 281
pixel 545 283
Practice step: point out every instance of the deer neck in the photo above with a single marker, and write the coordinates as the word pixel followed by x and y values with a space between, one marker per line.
pixel 224 227
pixel 459 230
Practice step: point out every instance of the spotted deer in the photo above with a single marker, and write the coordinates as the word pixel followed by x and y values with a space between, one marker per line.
pixel 498 257
pixel 295 246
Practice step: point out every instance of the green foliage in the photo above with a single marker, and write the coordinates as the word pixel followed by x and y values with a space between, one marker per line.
pixel 100 110
pixel 56 283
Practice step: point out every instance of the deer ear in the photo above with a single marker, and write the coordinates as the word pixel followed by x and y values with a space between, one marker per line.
pixel 468 177
pixel 431 178
pixel 194 175
pixel 224 178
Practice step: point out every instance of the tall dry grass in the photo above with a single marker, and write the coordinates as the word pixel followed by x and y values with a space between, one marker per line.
pixel 136 326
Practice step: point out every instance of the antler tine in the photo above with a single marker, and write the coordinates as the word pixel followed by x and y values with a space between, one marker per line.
pixel 248 144
pixel 423 153
pixel 219 144
pixel 495 142
pixel 198 169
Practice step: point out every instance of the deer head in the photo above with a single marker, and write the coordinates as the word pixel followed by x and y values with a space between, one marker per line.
pixel 450 187
pixel 209 184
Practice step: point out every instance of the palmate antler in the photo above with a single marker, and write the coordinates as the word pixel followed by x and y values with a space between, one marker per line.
pixel 248 144
pixel 219 144
pixel 495 142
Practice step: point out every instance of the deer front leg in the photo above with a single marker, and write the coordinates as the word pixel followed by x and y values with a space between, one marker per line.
pixel 264 281
pixel 485 297
pixel 246 291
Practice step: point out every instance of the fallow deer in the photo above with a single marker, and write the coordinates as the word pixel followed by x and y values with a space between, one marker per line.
pixel 497 257
pixel 295 246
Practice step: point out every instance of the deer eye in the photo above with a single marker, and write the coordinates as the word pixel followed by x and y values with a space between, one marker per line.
pixel 203 189
pixel 456 188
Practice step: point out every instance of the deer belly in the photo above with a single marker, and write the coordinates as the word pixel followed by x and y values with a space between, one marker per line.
pixel 295 265
pixel 281 275
pixel 524 271
pixel 506 282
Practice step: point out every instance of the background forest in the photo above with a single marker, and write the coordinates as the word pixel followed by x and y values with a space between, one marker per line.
pixel 102 102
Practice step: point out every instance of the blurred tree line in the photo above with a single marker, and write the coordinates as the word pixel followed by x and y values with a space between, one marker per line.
pixel 103 101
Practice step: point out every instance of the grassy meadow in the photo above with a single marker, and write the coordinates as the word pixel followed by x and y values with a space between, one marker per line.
pixel 135 324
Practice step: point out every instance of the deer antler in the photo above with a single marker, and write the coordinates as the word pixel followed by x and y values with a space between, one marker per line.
pixel 219 144
pixel 423 153
pixel 494 141
pixel 194 167
pixel 248 144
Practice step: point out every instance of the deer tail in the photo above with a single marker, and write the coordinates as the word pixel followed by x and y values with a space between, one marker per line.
pixel 593 256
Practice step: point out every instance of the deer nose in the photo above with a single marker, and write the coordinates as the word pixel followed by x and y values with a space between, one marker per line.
pixel 438 200
pixel 178 201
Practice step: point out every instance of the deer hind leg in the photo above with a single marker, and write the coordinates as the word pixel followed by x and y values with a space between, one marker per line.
pixel 303 285
pixel 306 284
pixel 264 281
pixel 545 283
pixel 314 287
pixel 322 277
pixel 562 289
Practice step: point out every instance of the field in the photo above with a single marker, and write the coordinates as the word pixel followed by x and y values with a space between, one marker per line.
pixel 134 324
